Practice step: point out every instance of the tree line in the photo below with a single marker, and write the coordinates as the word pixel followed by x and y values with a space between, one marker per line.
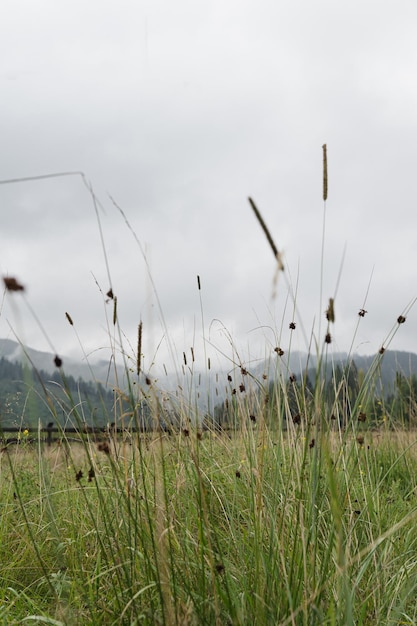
pixel 339 393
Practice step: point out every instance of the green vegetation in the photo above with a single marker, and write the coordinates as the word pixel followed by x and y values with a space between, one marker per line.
pixel 302 513
pixel 305 526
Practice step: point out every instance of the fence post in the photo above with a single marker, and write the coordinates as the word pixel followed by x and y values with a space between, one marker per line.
pixel 49 433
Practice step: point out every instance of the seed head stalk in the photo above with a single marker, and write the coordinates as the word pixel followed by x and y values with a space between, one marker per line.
pixel 325 189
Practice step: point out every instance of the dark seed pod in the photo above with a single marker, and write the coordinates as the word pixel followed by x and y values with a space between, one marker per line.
pixel 330 311
pixel 104 447
pixel 12 284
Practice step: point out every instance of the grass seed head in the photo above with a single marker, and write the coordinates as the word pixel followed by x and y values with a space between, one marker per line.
pixel 264 227
pixel 330 311
pixel 139 351
pixel 114 311
pixel 325 178
pixel 103 446
pixel 12 284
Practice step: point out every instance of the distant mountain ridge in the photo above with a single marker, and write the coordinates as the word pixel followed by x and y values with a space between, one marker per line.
pixel 14 352
pixel 392 361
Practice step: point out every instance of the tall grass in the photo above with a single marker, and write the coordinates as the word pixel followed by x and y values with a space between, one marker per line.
pixel 300 513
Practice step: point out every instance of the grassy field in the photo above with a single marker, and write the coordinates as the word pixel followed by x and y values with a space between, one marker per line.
pixel 261 526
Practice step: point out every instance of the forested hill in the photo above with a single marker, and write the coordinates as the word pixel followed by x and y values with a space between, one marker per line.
pixel 28 397
pixel 385 367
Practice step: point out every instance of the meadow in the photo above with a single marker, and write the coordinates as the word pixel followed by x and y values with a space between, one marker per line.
pixel 302 511
pixel 259 526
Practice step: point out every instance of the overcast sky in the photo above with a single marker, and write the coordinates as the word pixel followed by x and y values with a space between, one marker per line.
pixel 179 111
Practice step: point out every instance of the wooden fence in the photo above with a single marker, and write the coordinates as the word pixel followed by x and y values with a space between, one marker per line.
pixel 52 433
pixel 15 435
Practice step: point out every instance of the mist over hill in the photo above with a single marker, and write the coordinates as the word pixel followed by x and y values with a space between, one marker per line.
pixel 101 371
pixel 105 372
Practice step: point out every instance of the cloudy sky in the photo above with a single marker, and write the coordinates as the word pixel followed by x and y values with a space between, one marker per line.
pixel 177 112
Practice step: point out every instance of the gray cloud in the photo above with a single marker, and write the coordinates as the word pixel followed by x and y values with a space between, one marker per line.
pixel 179 112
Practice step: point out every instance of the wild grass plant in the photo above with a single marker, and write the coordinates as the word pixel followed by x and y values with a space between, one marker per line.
pixel 301 512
